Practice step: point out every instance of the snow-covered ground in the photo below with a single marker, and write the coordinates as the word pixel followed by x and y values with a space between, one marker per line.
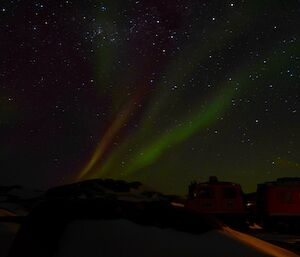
pixel 289 241
pixel 98 219
pixel 123 238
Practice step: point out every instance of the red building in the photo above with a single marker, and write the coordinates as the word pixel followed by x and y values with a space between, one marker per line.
pixel 225 200
pixel 278 203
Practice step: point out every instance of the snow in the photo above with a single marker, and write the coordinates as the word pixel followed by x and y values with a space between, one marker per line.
pixel 123 238
pixel 256 243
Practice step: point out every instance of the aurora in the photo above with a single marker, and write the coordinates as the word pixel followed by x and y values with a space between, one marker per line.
pixel 162 92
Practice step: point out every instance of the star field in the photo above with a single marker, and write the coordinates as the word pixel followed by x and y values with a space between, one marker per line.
pixel 163 92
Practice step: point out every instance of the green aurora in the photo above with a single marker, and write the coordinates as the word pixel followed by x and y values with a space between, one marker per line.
pixel 207 116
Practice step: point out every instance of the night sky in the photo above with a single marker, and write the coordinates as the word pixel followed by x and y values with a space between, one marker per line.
pixel 160 91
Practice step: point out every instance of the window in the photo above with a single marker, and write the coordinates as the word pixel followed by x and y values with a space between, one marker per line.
pixel 205 192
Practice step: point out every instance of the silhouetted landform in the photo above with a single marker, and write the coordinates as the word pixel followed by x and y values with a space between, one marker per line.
pixel 91 188
pixel 18 199
pixel 6 193
pixel 42 230
pixel 108 189
pixel 7 189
